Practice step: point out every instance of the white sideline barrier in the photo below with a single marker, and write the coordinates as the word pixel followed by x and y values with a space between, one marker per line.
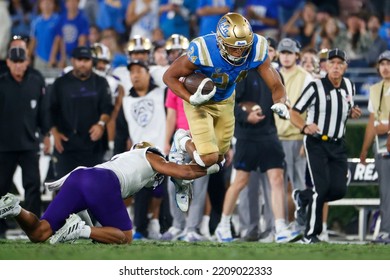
pixel 362 204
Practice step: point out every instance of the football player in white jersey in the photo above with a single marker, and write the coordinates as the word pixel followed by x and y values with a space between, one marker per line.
pixel 101 190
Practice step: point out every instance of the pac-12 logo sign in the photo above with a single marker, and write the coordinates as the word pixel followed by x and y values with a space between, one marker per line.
pixel 142 112
pixel 223 28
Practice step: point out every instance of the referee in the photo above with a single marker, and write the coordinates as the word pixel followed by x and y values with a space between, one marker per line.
pixel 329 103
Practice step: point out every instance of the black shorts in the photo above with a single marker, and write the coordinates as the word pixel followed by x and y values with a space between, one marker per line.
pixel 265 154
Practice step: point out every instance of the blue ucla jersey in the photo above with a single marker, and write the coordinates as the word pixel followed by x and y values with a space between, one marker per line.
pixel 204 53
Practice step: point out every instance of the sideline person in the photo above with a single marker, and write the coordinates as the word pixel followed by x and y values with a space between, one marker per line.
pixel 329 103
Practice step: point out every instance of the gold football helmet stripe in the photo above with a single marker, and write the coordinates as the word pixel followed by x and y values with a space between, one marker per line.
pixel 261 48
pixel 204 54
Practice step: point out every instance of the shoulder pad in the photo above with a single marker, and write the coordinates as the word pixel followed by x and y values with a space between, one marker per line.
pixel 260 48
pixel 198 52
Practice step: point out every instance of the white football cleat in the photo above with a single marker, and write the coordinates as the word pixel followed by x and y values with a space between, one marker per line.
pixel 177 153
pixel 183 193
pixel 70 231
pixel 9 206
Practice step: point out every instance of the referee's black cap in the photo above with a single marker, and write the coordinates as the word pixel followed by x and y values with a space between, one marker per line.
pixel 337 53
pixel 17 54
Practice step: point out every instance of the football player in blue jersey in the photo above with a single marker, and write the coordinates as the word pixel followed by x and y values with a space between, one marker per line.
pixel 225 58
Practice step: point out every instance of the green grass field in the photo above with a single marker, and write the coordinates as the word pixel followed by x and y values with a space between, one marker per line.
pixel 141 250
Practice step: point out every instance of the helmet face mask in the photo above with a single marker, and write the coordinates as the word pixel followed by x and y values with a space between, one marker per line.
pixel 234 38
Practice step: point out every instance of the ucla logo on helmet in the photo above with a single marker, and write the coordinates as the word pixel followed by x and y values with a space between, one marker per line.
pixel 224 28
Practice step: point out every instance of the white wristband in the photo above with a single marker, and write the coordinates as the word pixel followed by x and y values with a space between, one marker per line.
pixel 213 169
pixel 102 123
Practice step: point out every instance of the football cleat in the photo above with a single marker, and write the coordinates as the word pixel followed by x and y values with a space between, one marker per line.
pixel 183 193
pixel 70 232
pixel 9 206
pixel 177 153
pixel 223 234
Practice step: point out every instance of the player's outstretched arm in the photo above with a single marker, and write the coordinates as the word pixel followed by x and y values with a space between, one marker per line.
pixel 185 171
pixel 181 67
pixel 274 82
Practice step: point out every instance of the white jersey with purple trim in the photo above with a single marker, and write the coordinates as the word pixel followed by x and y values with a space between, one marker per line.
pixel 205 54
pixel 133 170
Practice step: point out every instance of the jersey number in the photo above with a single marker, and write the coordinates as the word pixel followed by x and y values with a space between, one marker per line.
pixel 224 79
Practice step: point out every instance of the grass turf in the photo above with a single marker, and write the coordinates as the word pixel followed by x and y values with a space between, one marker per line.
pixel 146 250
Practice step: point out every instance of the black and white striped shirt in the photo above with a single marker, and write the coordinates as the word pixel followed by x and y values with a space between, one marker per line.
pixel 327 106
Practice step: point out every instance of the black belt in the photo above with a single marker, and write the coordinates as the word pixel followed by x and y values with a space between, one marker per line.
pixel 326 138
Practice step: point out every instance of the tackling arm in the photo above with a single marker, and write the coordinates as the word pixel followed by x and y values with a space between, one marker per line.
pixel 185 171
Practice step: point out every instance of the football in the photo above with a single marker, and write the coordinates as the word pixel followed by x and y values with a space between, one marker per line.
pixel 249 106
pixel 192 82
